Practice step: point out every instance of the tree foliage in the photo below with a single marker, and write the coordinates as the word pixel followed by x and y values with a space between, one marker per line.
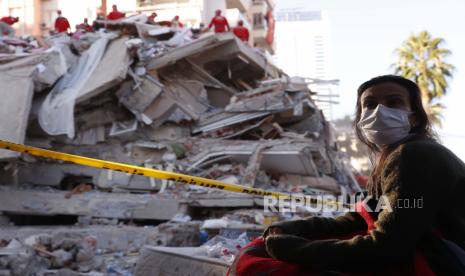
pixel 421 58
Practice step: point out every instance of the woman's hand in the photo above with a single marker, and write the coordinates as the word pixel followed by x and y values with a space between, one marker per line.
pixel 282 228
pixel 300 228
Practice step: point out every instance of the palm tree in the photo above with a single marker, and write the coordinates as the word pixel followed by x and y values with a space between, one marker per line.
pixel 421 59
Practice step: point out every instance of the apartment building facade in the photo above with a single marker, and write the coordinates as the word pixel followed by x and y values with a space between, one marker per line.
pixel 303 49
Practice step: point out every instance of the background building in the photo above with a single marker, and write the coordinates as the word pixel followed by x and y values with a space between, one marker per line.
pixel 38 16
pixel 28 12
pixel 302 49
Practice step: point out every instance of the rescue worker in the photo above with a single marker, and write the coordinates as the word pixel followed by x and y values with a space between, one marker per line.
pixel 219 22
pixel 241 32
pixel 420 230
pixel 176 23
pixel 10 20
pixel 151 19
pixel 115 14
pixel 61 23
pixel 85 26
pixel 96 25
pixel 5 25
pixel 196 32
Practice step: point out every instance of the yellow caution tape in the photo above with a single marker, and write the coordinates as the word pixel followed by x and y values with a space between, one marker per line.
pixel 148 172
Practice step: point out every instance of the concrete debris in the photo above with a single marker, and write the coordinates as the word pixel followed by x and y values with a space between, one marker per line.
pixel 56 115
pixel 104 249
pixel 224 248
pixel 46 252
pixel 159 97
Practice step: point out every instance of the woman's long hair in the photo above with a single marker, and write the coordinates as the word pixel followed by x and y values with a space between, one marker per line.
pixel 421 130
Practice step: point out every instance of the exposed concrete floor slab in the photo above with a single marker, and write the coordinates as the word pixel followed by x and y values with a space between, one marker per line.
pixel 95 204
pixel 178 261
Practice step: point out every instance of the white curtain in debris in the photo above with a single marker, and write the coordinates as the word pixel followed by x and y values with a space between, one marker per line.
pixel 56 115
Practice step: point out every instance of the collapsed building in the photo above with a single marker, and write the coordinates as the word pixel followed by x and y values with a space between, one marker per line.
pixel 171 99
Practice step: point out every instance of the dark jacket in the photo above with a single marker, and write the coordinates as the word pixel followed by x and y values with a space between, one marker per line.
pixel 415 170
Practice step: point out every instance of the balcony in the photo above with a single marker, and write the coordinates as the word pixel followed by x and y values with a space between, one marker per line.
pixel 269 4
pixel 260 40
pixel 263 27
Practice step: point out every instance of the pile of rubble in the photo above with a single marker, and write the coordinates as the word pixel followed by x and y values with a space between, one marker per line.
pixel 99 250
pixel 153 96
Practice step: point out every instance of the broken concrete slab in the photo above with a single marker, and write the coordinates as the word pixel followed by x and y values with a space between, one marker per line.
pixel 95 204
pixel 282 156
pixel 167 132
pixel 123 128
pixel 171 261
pixel 52 174
pixel 324 183
pixel 129 182
pixel 219 120
pixel 189 96
pixel 16 92
pixel 137 97
pixel 56 115
pixel 186 100
pixel 246 109
pixel 123 238
pixel 222 199
pixel 50 69
pixel 111 70
pixel 69 175
pixel 186 70
pixel 90 136
pixel 216 47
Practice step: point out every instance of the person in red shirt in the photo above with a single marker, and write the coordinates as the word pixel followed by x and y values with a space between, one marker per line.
pixel 115 14
pixel 220 22
pixel 10 20
pixel 85 26
pixel 61 23
pixel 176 23
pixel 5 25
pixel 241 32
pixel 151 19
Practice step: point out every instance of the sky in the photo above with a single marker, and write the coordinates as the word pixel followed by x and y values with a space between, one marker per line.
pixel 365 33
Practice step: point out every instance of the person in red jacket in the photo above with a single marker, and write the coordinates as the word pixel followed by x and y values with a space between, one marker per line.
pixel 220 22
pixel 151 19
pixel 241 32
pixel 61 23
pixel 115 14
pixel 85 26
pixel 176 23
pixel 5 25
pixel 10 20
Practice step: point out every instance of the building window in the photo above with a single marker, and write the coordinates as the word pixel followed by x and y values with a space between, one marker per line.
pixel 258 21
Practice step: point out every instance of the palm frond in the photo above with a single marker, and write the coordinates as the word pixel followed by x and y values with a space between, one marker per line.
pixel 421 58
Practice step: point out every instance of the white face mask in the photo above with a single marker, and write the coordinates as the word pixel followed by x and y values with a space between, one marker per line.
pixel 384 125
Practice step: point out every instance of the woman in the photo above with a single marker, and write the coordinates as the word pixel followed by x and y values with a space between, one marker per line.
pixel 411 168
